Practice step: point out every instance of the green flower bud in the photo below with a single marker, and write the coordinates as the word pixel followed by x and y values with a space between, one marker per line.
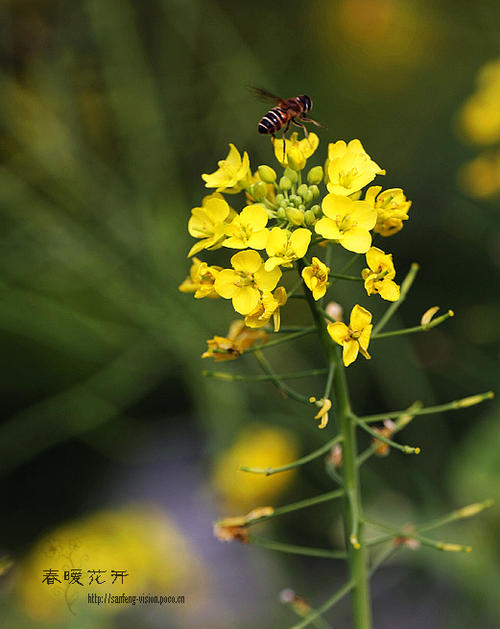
pixel 315 175
pixel 301 207
pixel 284 203
pixel 291 174
pixel 266 173
pixel 315 191
pixel 285 183
pixel 279 198
pixel 310 218
pixel 295 216
pixel 281 213
pixel 316 209
pixel 294 199
pixel 308 196
pixel 258 190
pixel 302 189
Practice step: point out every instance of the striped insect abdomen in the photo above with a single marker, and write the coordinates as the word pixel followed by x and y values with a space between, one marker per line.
pixel 273 120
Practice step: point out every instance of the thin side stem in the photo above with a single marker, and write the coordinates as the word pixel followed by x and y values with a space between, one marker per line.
pixel 268 471
pixel 429 410
pixel 405 287
pixel 417 328
pixel 296 550
pixel 231 377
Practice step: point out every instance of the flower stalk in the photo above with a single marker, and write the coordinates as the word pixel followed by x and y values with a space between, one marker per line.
pixel 353 528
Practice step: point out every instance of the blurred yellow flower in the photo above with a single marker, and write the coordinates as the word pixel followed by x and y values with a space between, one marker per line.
pixel 349 168
pixel 392 209
pixel 284 246
pixel 201 280
pixel 141 540
pixel 315 277
pixel 248 228
pixel 297 152
pixel 260 446
pixel 480 115
pixel 356 337
pixel 244 284
pixel 347 222
pixel 239 338
pixel 379 277
pixel 480 178
pixel 233 174
pixel 269 306
pixel 208 222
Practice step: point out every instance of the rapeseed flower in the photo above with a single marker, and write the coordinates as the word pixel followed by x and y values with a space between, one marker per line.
pixel 349 168
pixel 297 152
pixel 379 278
pixel 233 174
pixel 209 222
pixel 248 229
pixel 269 306
pixel 284 246
pixel 244 284
pixel 239 338
pixel 354 338
pixel 315 277
pixel 392 209
pixel 348 222
pixel 201 280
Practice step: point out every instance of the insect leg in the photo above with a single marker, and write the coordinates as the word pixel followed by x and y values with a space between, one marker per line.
pixel 299 124
pixel 314 122
pixel 283 137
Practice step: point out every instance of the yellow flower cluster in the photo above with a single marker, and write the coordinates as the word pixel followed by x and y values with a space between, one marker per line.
pixel 280 221
pixel 479 121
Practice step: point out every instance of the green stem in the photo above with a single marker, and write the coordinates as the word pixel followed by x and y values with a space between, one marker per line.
pixel 339 594
pixel 356 553
pixel 279 341
pixel 429 410
pixel 301 504
pixel 390 442
pixel 405 287
pixel 232 377
pixel 281 386
pixel 341 276
pixel 296 550
pixel 417 328
pixel 268 471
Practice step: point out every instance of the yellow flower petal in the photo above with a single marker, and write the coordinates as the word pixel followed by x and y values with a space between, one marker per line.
pixel 245 299
pixel 299 241
pixel 338 331
pixel 246 261
pixel 267 280
pixel 225 283
pixel 356 239
pixel 350 352
pixel 360 318
pixel 327 228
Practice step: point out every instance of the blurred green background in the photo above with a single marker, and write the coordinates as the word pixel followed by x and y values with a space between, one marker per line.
pixel 109 113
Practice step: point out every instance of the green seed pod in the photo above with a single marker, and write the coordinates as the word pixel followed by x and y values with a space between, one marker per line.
pixel 302 189
pixel 295 216
pixel 266 173
pixel 315 191
pixel 291 174
pixel 309 218
pixel 258 190
pixel 315 175
pixel 285 183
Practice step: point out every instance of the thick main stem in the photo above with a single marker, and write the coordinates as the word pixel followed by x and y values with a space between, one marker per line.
pixel 356 553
